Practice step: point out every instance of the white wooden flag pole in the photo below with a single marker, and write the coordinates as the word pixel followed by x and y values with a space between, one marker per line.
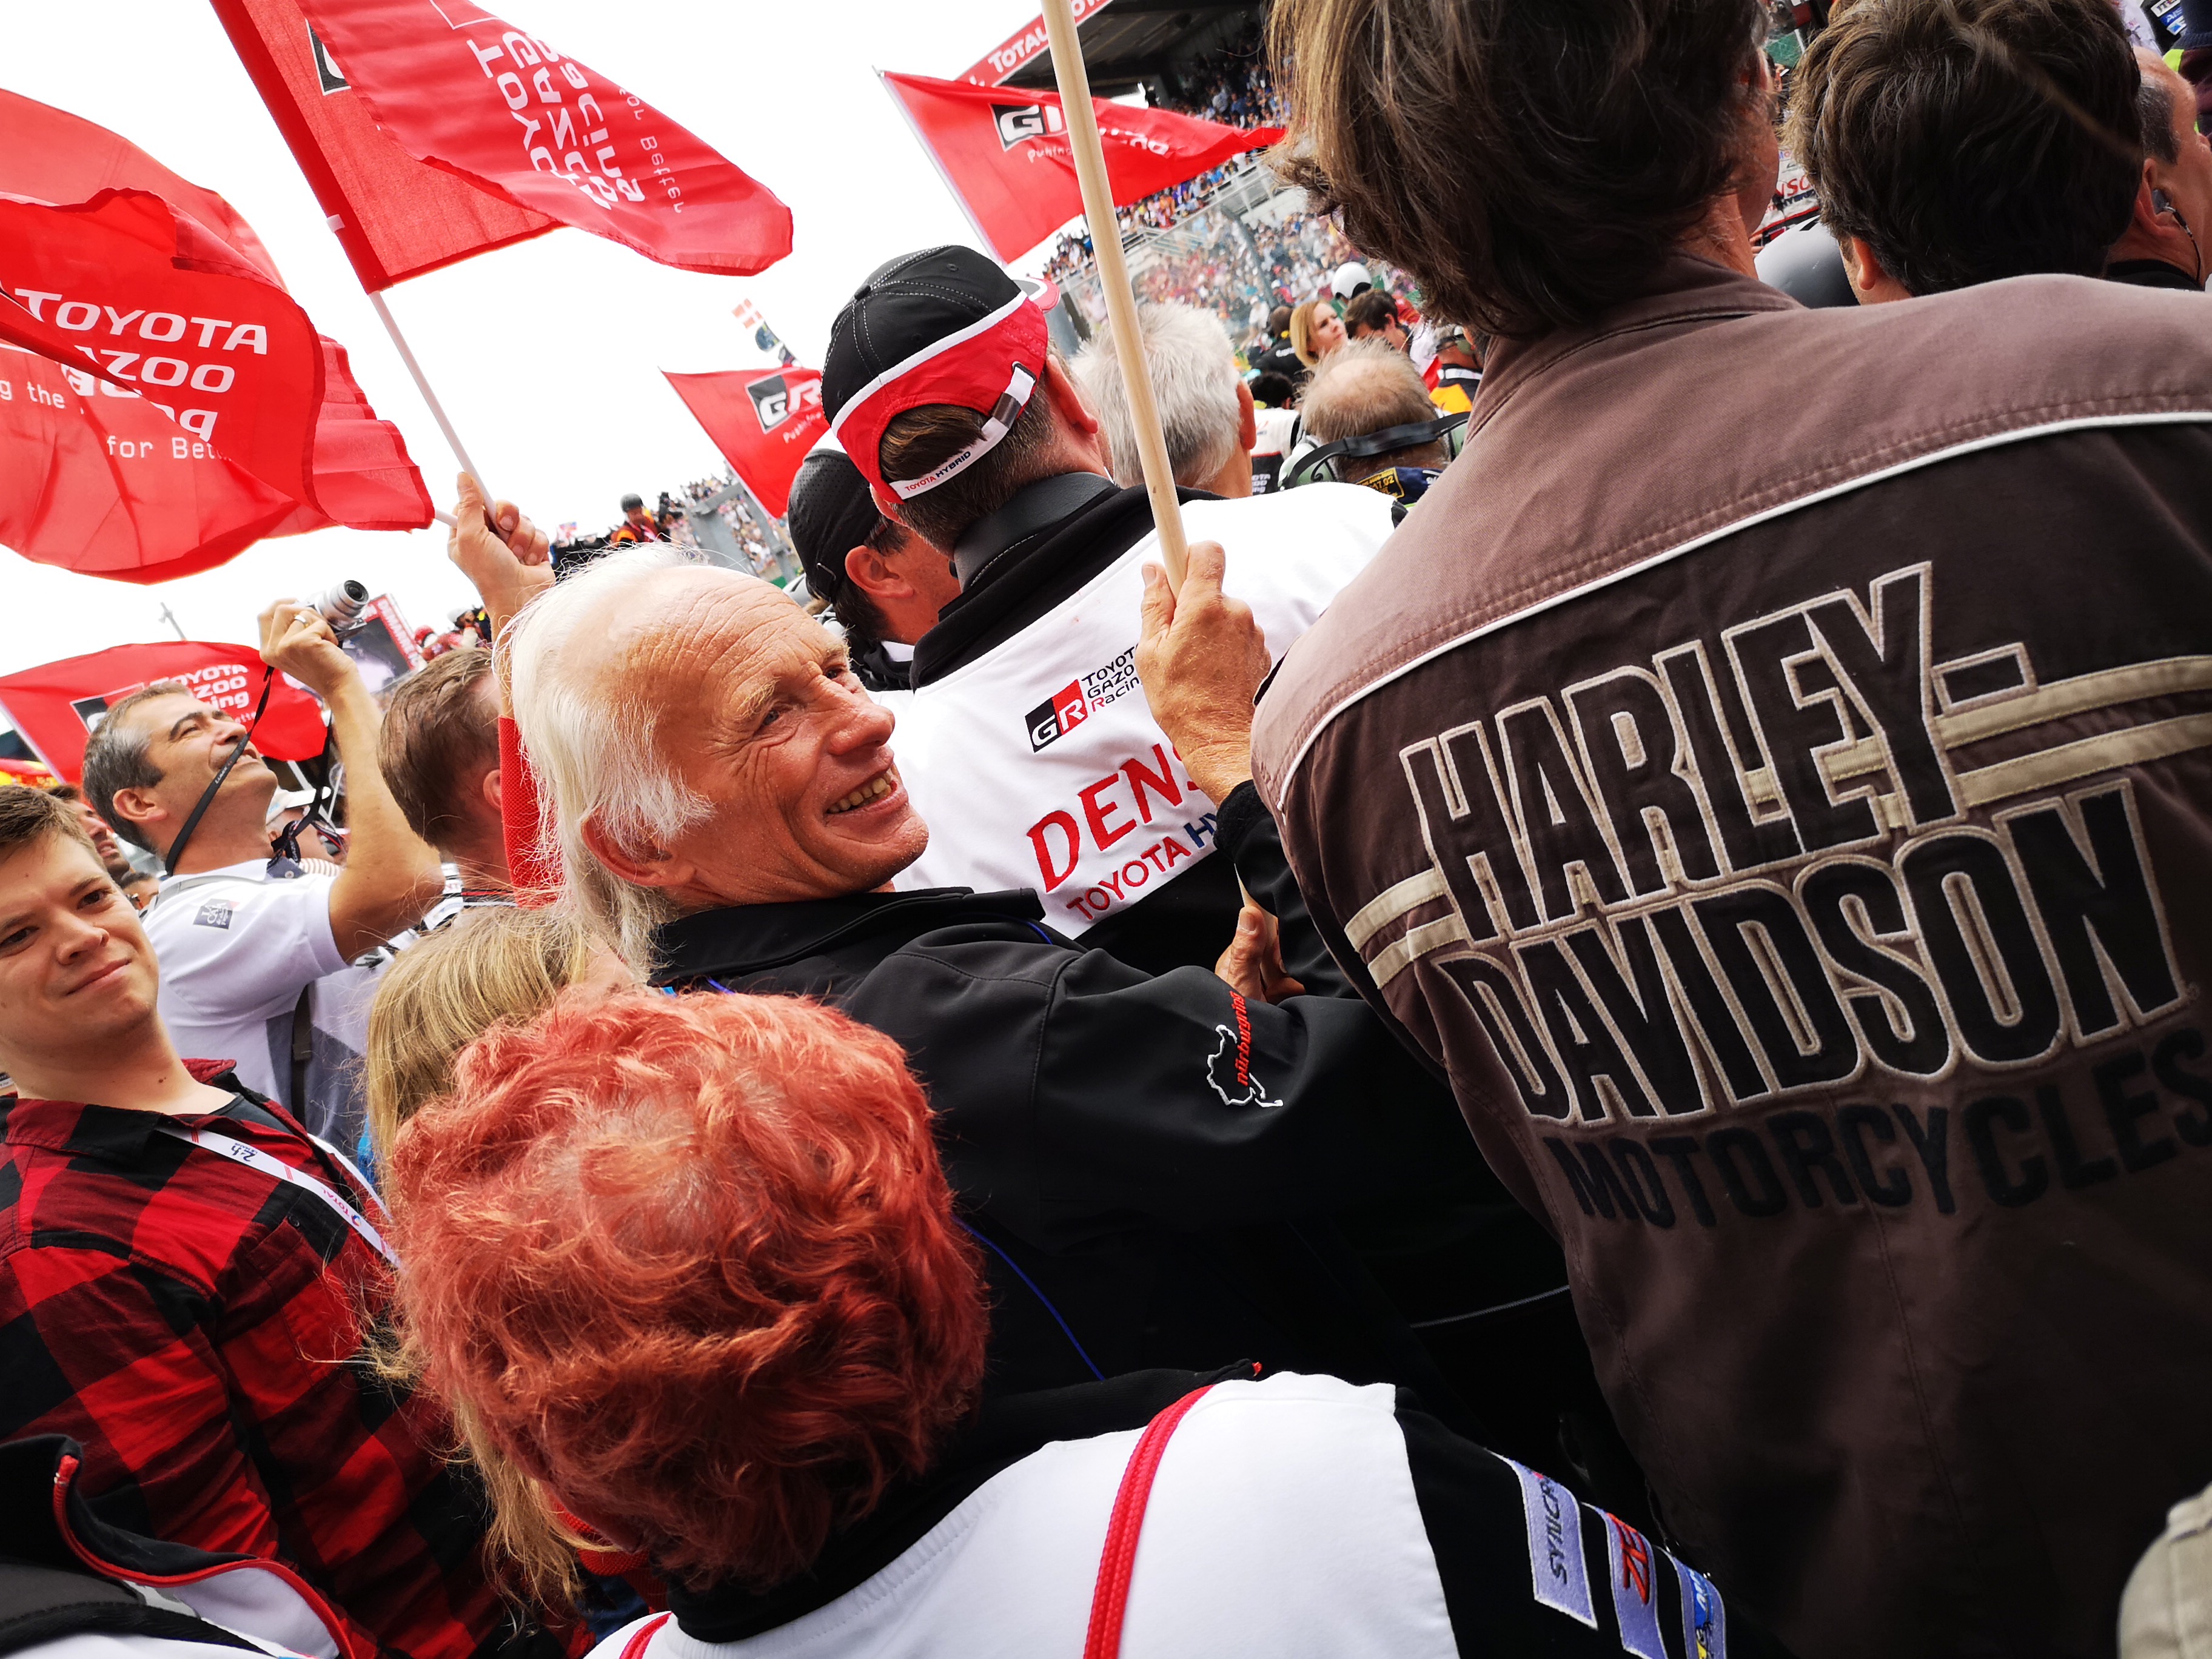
pixel 1114 277
pixel 437 409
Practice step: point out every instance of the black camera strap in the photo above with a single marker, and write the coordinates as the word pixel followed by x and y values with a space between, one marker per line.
pixel 286 844
pixel 207 797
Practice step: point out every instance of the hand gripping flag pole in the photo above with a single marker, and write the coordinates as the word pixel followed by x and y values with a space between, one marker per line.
pixel 1114 277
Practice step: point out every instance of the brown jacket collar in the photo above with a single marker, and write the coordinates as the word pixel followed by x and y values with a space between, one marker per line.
pixel 1704 406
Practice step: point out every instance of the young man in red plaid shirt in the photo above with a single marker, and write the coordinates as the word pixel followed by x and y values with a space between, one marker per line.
pixel 185 1283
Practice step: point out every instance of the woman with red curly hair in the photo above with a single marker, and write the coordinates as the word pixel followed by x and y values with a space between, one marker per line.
pixel 693 1263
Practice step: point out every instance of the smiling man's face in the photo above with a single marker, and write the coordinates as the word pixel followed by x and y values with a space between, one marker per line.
pixel 76 971
pixel 763 720
pixel 188 743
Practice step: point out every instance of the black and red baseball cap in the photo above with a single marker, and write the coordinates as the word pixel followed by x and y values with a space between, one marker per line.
pixel 945 326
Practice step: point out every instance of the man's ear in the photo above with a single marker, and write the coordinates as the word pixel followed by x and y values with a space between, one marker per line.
pixel 649 868
pixel 2147 217
pixel 1067 397
pixel 488 791
pixel 1248 419
pixel 139 806
pixel 1863 269
pixel 866 570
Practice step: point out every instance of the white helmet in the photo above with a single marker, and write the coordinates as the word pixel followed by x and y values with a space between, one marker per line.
pixel 1350 279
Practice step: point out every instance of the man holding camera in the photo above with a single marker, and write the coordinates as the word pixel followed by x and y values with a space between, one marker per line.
pixel 248 943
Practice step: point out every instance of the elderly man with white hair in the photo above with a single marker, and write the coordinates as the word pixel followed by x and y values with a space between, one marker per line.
pixel 1206 412
pixel 1146 1159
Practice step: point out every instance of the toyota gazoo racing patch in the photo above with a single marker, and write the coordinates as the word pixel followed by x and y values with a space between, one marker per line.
pixel 1076 701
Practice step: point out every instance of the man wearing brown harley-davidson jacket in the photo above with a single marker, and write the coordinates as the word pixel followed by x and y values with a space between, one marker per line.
pixel 1771 774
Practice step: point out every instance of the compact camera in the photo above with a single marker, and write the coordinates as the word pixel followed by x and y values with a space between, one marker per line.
pixel 345 608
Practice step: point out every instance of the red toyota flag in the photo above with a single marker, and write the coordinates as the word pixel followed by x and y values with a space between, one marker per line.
pixel 57 705
pixel 461 89
pixel 1004 153
pixel 364 478
pixel 167 312
pixel 164 307
pixel 395 216
pixel 111 486
pixel 764 421
pixel 363 475
pixel 47 155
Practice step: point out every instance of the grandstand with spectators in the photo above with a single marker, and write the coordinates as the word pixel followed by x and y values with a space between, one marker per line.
pixel 1233 242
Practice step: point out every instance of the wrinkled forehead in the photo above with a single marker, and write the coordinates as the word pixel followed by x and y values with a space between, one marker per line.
pixel 693 640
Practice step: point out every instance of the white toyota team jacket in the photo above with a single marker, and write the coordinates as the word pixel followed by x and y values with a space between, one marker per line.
pixel 1038 764
pixel 1297 1517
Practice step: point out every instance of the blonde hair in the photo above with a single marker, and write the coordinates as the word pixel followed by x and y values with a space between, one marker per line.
pixel 442 994
pixel 1302 330
pixel 437 998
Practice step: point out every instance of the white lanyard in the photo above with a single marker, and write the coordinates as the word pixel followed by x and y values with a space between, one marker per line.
pixel 254 1158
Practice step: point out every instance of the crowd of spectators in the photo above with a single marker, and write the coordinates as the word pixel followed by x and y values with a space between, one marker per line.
pixel 1161 211
pixel 1229 83
pixel 1582 1040
pixel 675 522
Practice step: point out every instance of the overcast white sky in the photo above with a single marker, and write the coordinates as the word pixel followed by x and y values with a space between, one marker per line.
pixel 547 355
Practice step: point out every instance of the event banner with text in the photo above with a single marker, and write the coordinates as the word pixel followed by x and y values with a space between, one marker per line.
pixel 58 705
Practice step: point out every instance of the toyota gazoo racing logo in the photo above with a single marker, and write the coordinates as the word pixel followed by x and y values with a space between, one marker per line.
pixel 1057 715
pixel 1019 123
pixel 776 401
pixel 1076 701
pixel 771 401
pixel 219 685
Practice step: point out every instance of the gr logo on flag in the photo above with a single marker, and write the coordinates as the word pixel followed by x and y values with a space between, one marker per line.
pixel 93 710
pixel 1018 124
pixel 327 74
pixel 771 401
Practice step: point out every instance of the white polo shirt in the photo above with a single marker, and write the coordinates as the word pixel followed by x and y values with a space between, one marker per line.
pixel 236 948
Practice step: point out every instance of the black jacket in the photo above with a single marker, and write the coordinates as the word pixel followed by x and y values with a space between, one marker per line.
pixel 1466 1247
pixel 1149 1159
pixel 1280 359
pixel 2151 273
pixel 878 669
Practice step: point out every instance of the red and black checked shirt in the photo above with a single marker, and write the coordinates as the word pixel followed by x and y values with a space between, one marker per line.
pixel 195 1325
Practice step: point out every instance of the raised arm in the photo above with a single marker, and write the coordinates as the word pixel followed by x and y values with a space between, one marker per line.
pixel 391 875
pixel 509 561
